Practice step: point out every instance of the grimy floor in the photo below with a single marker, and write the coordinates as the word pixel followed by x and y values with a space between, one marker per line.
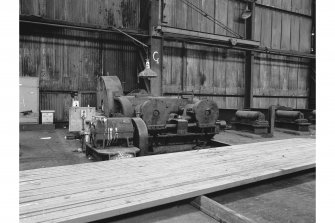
pixel 39 149
pixel 262 218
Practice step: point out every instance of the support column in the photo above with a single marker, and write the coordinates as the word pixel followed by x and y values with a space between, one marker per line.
pixel 156 48
pixel 249 62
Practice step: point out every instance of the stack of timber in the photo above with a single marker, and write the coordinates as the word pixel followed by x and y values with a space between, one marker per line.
pixel 92 191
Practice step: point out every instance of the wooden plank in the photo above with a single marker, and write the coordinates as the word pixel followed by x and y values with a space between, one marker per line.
pixel 62 171
pixel 286 5
pixel 207 25
pixel 51 173
pixel 189 18
pixel 176 65
pixel 193 64
pixel 257 23
pixel 276 3
pixel 181 16
pixel 303 83
pixel 231 78
pixel 220 71
pixel 283 81
pixel 218 211
pixel 256 79
pixel 285 32
pixel 166 78
pixel 305 29
pixel 230 16
pixel 86 192
pixel 307 7
pixel 275 44
pixel 196 17
pixel 266 2
pixel 266 28
pixel 293 81
pixel 236 17
pixel 206 70
pixel 55 184
pixel 274 79
pixel 203 75
pixel 240 68
pixel 276 30
pixel 235 155
pixel 221 11
pixel 296 6
pixel 168 11
pixel 265 79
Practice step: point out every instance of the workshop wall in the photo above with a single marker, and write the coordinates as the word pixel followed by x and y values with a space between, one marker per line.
pixel 68 60
pixel 71 60
pixel 281 75
pixel 219 73
pixel 119 13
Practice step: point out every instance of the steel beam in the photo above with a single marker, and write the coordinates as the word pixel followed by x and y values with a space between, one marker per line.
pixel 156 48
pixel 177 32
pixel 266 50
pixel 25 19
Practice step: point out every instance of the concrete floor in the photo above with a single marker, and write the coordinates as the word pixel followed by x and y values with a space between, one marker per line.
pixel 233 137
pixel 285 199
pixel 289 199
pixel 36 152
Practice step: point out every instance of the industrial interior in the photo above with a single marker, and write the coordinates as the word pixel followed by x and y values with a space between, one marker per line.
pixel 167 111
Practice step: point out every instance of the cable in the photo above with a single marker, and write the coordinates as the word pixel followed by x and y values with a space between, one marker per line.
pixel 205 14
pixel 134 39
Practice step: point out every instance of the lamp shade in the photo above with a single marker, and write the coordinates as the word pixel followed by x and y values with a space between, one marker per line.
pixel 246 13
pixel 147 72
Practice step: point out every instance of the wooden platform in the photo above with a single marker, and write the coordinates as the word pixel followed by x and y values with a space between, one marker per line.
pixel 92 191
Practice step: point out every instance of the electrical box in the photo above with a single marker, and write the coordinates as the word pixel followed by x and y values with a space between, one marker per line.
pixel 47 116
pixel 79 118
pixel 29 99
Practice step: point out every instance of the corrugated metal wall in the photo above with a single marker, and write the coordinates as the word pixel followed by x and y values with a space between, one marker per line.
pixel 68 60
pixel 214 71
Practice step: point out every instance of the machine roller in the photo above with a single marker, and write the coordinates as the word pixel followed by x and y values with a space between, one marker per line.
pixel 288 118
pixel 253 121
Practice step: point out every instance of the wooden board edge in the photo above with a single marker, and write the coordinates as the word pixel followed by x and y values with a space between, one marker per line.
pixel 150 204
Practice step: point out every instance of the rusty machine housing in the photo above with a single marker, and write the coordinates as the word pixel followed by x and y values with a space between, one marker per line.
pixel 142 124
pixel 290 119
pixel 253 121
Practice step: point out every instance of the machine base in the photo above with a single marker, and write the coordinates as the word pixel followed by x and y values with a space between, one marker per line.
pixel 110 153
pixel 302 127
pixel 250 128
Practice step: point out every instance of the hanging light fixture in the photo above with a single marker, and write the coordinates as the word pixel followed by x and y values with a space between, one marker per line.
pixel 147 72
pixel 246 13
